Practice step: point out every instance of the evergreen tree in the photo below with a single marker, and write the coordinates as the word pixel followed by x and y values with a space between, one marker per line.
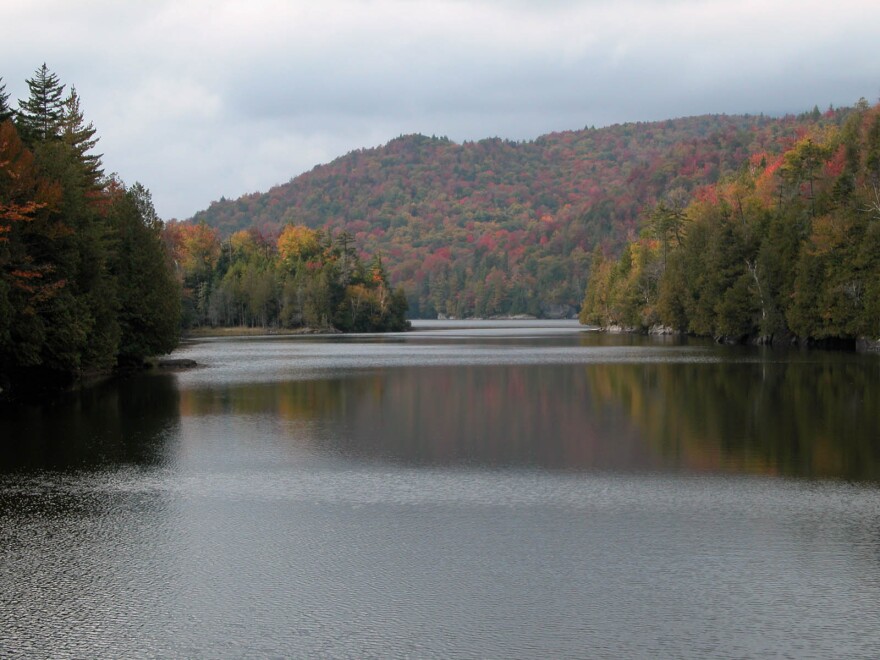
pixel 28 281
pixel 85 282
pixel 148 294
pixel 80 137
pixel 756 263
pixel 41 113
pixel 6 112
pixel 594 310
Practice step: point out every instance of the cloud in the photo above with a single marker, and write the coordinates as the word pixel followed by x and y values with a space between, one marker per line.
pixel 203 98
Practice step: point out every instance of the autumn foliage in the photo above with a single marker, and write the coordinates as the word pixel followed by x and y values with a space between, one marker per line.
pixel 302 279
pixel 785 249
pixel 497 227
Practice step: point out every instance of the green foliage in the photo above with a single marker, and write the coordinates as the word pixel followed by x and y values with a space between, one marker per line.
pixel 624 292
pixel 85 281
pixel 6 112
pixel 149 295
pixel 40 114
pixel 303 279
pixel 79 137
pixel 789 246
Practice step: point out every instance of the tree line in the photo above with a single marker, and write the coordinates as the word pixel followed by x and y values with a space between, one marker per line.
pixel 91 279
pixel 787 249
pixel 496 227
pixel 85 281
pixel 304 278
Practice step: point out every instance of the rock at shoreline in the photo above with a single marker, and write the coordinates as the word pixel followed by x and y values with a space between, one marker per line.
pixel 620 329
pixel 662 330
pixel 866 345
pixel 174 363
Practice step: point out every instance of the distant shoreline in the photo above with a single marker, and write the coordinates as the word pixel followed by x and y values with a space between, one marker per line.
pixel 247 331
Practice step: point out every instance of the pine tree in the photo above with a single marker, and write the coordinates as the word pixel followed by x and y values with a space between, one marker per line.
pixel 41 114
pixel 80 137
pixel 149 297
pixel 5 111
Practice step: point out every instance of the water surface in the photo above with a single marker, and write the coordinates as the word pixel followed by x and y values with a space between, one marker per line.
pixel 504 490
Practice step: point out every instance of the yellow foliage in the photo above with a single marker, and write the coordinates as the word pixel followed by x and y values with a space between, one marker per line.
pixel 242 241
pixel 298 242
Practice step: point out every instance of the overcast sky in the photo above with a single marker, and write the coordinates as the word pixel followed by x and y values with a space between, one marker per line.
pixel 199 99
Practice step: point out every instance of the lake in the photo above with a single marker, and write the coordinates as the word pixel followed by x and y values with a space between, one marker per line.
pixel 516 489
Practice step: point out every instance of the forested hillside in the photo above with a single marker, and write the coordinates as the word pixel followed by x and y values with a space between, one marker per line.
pixel 786 248
pixel 497 227
pixel 85 282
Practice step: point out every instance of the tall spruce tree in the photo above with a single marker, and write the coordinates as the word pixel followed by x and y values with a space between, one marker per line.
pixel 85 281
pixel 80 137
pixel 41 113
pixel 82 332
pixel 5 111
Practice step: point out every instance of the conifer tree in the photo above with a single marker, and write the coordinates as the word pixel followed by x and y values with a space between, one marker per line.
pixel 80 137
pixel 5 111
pixel 148 294
pixel 41 113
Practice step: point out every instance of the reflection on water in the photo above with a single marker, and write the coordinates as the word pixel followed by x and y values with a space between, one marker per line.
pixel 574 402
pixel 505 490
pixel 123 421
pixel 803 419
pixel 487 416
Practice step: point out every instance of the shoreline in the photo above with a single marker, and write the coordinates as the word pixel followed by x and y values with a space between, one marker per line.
pixel 247 331
pixel 855 345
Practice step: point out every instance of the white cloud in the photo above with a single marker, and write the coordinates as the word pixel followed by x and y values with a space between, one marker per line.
pixel 203 98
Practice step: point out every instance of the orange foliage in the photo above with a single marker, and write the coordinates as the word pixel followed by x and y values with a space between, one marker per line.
pixel 195 248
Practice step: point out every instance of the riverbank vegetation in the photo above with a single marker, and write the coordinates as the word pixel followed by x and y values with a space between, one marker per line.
pixel 85 282
pixel 91 279
pixel 303 280
pixel 788 248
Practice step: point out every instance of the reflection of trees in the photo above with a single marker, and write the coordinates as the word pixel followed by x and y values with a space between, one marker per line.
pixel 481 415
pixel 488 415
pixel 291 400
pixel 796 418
pixel 120 421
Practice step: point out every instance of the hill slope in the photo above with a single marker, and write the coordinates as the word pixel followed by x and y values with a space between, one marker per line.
pixel 500 227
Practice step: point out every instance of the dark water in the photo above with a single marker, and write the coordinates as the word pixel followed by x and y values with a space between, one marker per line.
pixel 500 491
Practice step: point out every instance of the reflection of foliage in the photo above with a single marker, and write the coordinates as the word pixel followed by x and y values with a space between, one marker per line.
pixel 813 419
pixel 787 416
pixel 290 400
pixel 515 415
pixel 117 422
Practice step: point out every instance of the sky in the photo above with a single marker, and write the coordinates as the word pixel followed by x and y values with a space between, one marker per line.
pixel 203 99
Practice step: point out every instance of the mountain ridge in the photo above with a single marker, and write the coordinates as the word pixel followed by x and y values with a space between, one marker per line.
pixel 498 226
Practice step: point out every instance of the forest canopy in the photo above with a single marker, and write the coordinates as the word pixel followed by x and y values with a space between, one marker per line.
pixel 786 248
pixel 497 227
pixel 305 278
pixel 91 279
pixel 85 281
